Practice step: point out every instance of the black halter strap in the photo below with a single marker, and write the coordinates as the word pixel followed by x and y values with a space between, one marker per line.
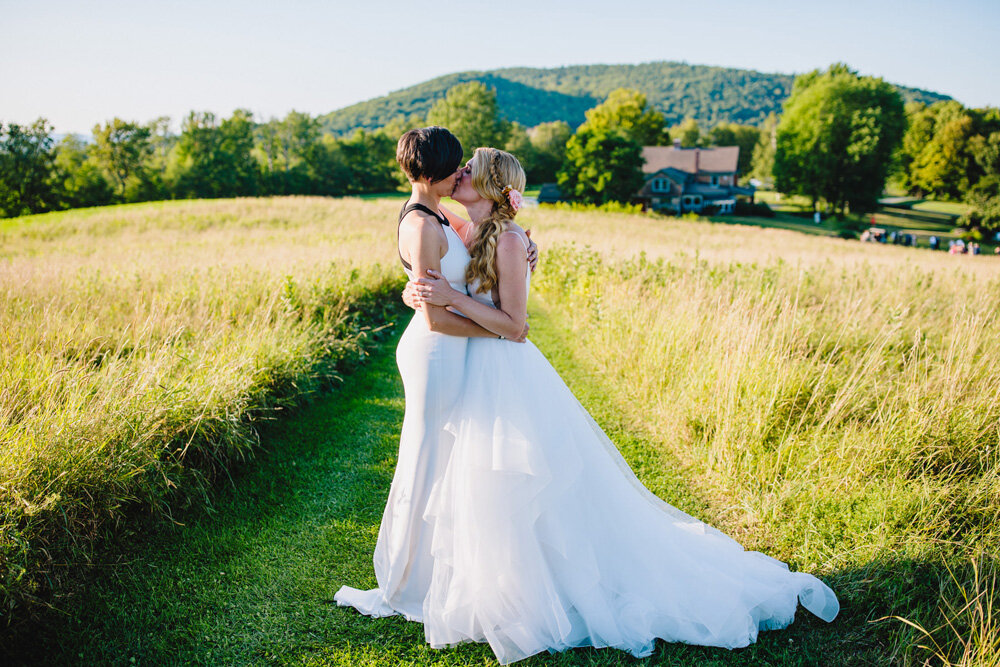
pixel 402 214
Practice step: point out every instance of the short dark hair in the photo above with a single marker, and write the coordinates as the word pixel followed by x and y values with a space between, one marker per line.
pixel 429 152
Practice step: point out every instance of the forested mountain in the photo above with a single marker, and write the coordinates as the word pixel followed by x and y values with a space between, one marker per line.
pixel 531 96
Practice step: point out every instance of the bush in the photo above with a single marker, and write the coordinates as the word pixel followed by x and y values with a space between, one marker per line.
pixel 607 207
pixel 758 209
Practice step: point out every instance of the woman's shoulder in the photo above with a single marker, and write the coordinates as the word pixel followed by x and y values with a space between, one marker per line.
pixel 512 236
pixel 419 221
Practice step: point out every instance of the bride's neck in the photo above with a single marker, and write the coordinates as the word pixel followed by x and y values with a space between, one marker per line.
pixel 422 194
pixel 479 211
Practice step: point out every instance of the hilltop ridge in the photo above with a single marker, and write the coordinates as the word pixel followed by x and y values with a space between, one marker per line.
pixel 531 96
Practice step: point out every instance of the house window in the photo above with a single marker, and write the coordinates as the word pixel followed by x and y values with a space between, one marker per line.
pixel 715 180
pixel 661 185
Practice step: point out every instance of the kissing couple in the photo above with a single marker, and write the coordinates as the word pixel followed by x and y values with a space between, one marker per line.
pixel 512 519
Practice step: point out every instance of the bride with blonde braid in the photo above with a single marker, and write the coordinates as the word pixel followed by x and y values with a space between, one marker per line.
pixel 543 538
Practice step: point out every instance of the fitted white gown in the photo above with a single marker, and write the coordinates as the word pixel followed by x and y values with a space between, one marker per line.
pixel 431 365
pixel 544 539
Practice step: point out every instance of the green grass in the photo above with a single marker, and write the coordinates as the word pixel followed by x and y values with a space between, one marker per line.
pixel 829 226
pixel 954 208
pixel 785 206
pixel 251 578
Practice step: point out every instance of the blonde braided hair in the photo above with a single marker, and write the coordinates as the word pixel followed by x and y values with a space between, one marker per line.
pixel 494 174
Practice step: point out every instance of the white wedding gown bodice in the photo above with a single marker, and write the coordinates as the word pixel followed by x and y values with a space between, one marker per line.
pixel 431 366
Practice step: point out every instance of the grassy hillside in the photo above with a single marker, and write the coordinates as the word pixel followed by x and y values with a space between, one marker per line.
pixel 530 96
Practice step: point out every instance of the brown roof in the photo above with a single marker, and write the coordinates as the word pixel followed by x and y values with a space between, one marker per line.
pixel 713 160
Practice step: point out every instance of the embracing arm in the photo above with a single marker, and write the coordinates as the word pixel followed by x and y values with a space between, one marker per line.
pixel 424 242
pixel 509 320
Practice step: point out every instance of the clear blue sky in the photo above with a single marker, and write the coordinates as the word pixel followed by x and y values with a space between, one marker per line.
pixel 78 63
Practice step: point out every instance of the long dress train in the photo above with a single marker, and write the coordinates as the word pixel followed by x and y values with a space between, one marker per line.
pixel 431 365
pixel 544 539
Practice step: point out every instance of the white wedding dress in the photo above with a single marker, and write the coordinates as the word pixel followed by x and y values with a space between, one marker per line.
pixel 544 539
pixel 431 365
pixel 512 519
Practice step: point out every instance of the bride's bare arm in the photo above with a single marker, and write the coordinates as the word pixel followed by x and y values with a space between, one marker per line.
pixel 422 238
pixel 509 320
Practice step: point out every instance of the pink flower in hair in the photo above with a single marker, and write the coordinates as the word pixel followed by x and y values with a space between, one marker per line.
pixel 516 201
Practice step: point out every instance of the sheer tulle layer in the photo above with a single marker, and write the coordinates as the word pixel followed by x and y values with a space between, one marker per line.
pixel 543 539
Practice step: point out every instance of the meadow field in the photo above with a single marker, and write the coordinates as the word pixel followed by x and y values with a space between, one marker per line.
pixel 140 345
pixel 831 403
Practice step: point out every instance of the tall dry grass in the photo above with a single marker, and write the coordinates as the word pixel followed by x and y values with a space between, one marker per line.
pixel 143 345
pixel 841 401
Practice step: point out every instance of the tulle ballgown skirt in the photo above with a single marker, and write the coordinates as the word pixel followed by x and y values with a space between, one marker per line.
pixel 543 538
pixel 432 366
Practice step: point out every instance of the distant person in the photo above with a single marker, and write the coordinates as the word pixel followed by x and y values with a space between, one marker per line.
pixel 934 242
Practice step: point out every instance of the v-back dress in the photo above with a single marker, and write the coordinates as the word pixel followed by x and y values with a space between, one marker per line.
pixel 431 365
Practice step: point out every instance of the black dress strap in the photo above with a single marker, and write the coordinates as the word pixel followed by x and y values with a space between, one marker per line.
pixel 402 214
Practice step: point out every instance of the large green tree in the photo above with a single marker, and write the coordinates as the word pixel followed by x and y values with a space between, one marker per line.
pixel 519 144
pixel 687 132
pixel 80 180
pixel 371 162
pixel 121 148
pixel 837 136
pixel 289 152
pixel 627 110
pixel 601 165
pixel 26 168
pixel 549 143
pixel 984 204
pixel 946 149
pixel 214 159
pixel 471 112
pixel 762 162
pixel 733 134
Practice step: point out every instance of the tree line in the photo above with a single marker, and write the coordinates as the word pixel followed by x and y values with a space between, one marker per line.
pixel 128 161
pixel 838 139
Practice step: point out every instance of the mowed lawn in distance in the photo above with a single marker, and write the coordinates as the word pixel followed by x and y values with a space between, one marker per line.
pixel 831 403
pixel 140 343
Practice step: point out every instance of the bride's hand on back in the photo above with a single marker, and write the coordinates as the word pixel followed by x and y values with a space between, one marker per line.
pixel 410 297
pixel 532 251
pixel 524 334
pixel 435 290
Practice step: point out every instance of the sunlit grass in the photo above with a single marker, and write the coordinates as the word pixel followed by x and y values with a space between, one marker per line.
pixel 835 403
pixel 846 411
pixel 140 344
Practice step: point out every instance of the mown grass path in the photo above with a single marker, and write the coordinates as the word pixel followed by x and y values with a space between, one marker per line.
pixel 251 580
